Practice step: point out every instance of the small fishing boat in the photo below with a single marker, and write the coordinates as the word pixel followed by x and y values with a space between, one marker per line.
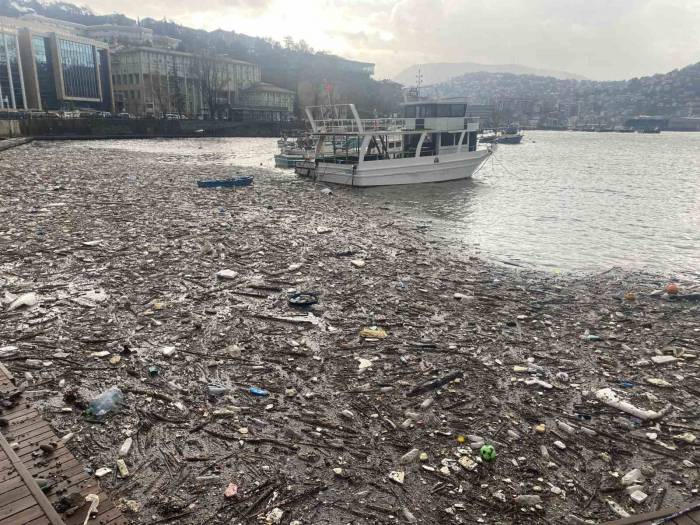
pixel 434 141
pixel 511 135
pixel 293 150
pixel 235 182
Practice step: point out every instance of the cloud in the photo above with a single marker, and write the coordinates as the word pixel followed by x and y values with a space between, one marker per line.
pixel 601 39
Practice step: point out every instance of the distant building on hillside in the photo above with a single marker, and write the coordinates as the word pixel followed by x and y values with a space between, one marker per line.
pixel 130 36
pixel 264 101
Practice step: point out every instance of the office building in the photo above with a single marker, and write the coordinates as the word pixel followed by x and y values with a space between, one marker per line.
pixel 12 93
pixel 151 81
pixel 58 69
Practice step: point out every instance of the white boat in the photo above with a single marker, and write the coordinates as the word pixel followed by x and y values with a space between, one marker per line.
pixel 293 150
pixel 433 142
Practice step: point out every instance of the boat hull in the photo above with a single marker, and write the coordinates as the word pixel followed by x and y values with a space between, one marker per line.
pixel 509 139
pixel 288 161
pixel 412 170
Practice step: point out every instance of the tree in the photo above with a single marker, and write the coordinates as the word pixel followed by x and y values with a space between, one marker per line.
pixel 213 80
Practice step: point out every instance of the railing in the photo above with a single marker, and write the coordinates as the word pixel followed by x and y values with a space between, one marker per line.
pixel 344 118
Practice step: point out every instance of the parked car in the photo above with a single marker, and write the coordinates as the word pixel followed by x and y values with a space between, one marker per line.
pixel 124 115
pixel 170 116
pixel 102 114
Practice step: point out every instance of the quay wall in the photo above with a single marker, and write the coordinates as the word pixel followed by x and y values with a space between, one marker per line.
pixel 9 129
pixel 87 128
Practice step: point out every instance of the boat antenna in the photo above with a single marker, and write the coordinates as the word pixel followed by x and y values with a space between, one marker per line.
pixel 419 81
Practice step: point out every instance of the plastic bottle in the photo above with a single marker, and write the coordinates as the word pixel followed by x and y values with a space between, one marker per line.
pixel 107 402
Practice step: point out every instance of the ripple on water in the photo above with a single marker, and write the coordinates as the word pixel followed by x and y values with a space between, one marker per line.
pixel 561 200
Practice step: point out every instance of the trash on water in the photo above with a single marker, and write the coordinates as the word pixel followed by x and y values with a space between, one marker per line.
pixel 28 299
pixel 610 398
pixel 397 476
pixel 528 500
pixel 226 274
pixel 487 452
pixel 231 490
pixel 258 392
pixel 123 470
pixel 303 299
pixel 663 359
pixel 216 390
pixel 672 289
pixel 373 332
pixel 106 403
pixel 126 447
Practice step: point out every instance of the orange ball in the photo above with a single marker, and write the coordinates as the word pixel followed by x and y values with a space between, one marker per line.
pixel 671 289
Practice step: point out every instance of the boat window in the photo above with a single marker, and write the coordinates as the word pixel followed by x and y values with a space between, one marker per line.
pixel 426 111
pixel 448 139
pixel 443 110
pixel 409 111
pixel 457 110
pixel 472 140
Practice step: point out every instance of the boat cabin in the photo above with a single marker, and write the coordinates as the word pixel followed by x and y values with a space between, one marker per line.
pixel 426 128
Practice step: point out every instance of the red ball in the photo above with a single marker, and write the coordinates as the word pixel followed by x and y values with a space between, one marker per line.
pixel 671 289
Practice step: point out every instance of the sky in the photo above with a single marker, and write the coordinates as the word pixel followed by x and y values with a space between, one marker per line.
pixel 599 39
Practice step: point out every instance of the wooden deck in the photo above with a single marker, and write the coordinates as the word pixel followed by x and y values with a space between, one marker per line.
pixel 22 461
pixel 690 518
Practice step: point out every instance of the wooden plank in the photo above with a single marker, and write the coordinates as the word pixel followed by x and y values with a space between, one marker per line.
pixel 14 495
pixel 30 514
pixel 19 505
pixel 11 484
pixel 648 518
pixel 24 503
pixel 45 507
pixel 686 519
pixel 39 521
pixel 22 432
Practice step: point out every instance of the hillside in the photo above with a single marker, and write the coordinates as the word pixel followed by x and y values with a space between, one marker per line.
pixel 676 93
pixel 442 72
pixel 292 65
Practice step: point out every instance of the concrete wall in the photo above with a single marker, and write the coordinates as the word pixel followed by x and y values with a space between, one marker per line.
pixel 106 128
pixel 9 129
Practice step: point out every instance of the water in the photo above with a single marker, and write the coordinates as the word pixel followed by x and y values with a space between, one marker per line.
pixel 561 201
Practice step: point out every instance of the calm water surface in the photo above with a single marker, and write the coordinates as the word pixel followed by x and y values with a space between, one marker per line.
pixel 560 201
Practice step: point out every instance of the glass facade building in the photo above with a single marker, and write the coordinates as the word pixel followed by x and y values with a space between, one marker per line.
pixel 11 85
pixel 79 69
pixel 45 72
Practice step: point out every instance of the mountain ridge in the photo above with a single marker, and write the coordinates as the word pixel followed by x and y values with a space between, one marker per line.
pixel 439 72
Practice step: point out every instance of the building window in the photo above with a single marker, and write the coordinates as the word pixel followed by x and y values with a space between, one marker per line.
pixel 44 71
pixel 11 95
pixel 79 69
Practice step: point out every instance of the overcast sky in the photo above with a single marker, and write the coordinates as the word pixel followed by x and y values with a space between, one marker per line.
pixel 600 39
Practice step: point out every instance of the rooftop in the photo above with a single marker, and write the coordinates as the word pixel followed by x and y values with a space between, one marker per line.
pixel 140 49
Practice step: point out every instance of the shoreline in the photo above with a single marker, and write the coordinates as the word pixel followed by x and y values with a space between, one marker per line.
pixel 123 250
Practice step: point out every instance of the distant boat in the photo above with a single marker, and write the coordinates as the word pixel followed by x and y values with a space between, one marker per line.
pixel 293 150
pixel 511 135
pixel 649 130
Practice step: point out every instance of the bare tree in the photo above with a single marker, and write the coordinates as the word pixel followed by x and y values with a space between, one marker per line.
pixel 213 80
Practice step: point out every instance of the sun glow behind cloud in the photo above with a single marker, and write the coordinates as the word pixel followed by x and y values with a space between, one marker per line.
pixel 601 39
